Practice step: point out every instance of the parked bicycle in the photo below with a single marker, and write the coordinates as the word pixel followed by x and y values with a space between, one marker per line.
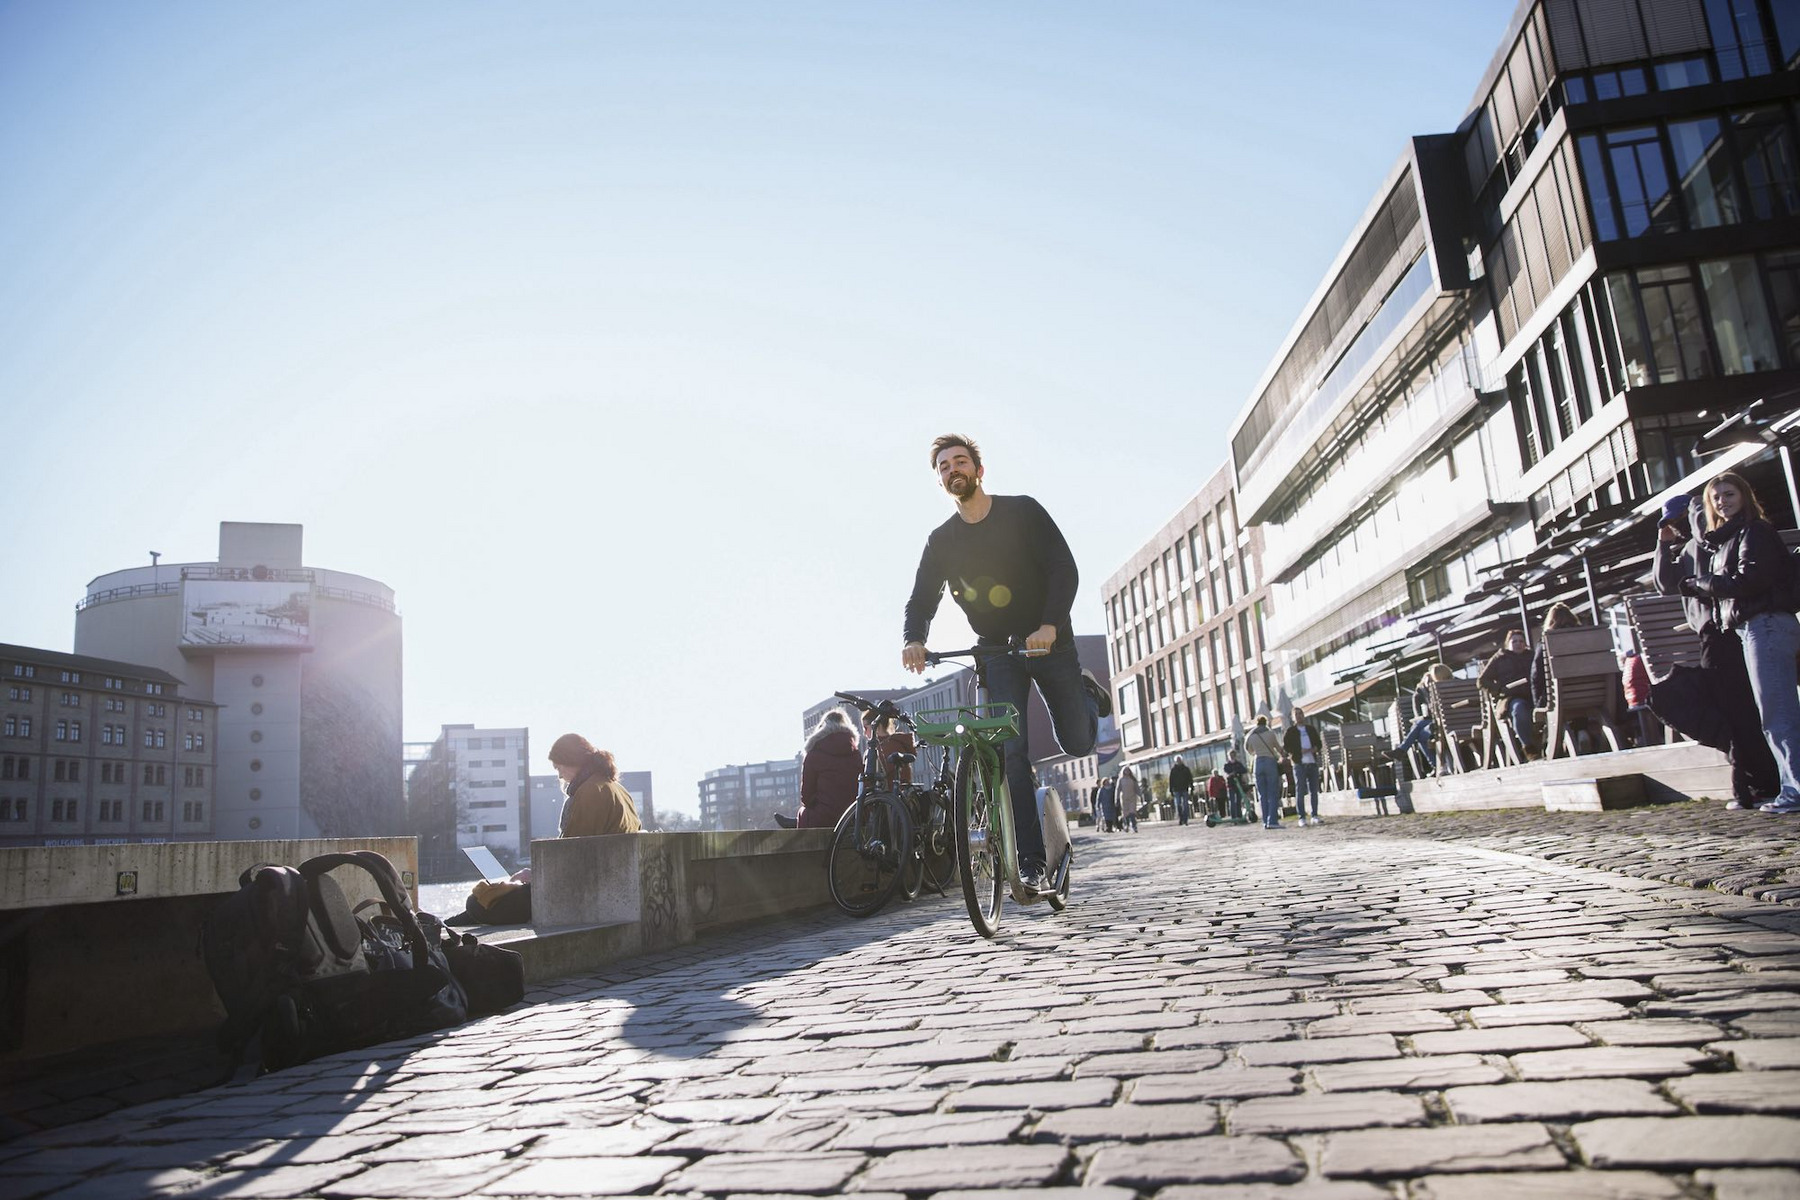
pixel 896 837
pixel 986 845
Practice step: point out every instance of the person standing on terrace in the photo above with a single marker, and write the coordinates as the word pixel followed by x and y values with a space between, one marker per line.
pixel 1745 573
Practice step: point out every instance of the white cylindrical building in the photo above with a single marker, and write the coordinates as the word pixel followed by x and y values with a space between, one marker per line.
pixel 305 664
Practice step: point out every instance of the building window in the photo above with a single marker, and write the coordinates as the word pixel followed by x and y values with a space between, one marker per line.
pixel 62 731
pixel 193 810
pixel 1740 318
pixel 153 689
pixel 1765 152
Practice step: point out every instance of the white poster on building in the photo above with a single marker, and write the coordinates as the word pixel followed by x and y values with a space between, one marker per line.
pixel 245 612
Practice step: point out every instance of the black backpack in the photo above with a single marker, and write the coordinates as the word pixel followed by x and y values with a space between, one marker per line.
pixel 301 974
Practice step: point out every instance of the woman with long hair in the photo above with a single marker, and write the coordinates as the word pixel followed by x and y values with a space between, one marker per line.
pixel 1744 573
pixel 830 771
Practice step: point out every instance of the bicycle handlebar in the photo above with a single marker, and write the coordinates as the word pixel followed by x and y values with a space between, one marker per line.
pixel 1013 646
pixel 884 710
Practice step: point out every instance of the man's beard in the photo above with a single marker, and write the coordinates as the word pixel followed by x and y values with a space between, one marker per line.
pixel 959 485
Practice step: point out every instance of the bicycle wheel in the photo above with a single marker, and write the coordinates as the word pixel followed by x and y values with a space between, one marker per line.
pixel 935 835
pixel 978 851
pixel 912 866
pixel 863 868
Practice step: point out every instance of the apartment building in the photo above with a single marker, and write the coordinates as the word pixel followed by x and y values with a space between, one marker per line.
pixel 94 751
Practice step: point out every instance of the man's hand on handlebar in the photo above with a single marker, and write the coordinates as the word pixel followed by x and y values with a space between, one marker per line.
pixel 912 657
pixel 1041 640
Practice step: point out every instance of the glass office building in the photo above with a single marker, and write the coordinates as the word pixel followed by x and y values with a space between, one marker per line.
pixel 1533 321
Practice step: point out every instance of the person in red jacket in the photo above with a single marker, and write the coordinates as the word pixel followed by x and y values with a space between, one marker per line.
pixel 829 772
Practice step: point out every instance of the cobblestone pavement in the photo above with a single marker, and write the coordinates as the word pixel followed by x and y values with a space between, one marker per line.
pixel 1325 1014
pixel 1697 844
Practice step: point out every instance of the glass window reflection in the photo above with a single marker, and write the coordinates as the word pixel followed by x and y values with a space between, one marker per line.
pixel 1766 149
pixel 1740 318
pixel 1701 163
pixel 1642 181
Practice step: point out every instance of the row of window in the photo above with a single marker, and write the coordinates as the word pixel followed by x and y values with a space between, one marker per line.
pixel 106 812
pixel 112 683
pixel 69 771
pixel 1695 173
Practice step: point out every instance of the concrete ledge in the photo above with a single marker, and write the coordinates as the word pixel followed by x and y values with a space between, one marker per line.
pixel 43 876
pixel 1594 795
pixel 600 899
pixel 84 965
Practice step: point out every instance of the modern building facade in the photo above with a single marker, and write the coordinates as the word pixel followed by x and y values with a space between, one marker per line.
pixel 743 797
pixel 94 751
pixel 1186 623
pixel 304 664
pixel 1529 328
pixel 470 788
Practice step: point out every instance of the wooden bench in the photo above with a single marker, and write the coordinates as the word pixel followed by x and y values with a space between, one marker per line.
pixel 1335 777
pixel 1456 720
pixel 1664 639
pixel 1364 750
pixel 1584 685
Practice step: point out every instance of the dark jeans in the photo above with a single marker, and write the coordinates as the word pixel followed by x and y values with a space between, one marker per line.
pixel 1073 715
pixel 1183 806
pixel 1306 779
pixel 1518 711
pixel 1753 771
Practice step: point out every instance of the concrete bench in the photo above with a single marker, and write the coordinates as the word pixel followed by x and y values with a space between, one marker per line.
pixel 598 899
pixel 102 943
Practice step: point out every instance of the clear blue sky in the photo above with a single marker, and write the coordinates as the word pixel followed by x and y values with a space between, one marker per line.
pixel 612 336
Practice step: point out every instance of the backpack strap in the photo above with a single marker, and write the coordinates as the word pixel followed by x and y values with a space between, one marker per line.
pixel 388 881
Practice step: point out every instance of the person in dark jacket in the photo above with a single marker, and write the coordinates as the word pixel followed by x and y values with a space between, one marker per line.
pixel 1744 573
pixel 1508 676
pixel 1181 787
pixel 1724 702
pixel 1237 775
pixel 1304 750
pixel 830 771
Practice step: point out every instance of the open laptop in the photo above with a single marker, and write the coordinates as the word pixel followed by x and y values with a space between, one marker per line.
pixel 487 864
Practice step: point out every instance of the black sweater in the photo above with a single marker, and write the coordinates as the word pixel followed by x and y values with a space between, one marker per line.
pixel 1009 572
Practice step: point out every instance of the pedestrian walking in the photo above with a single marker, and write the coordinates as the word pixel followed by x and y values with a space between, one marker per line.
pixel 1181 786
pixel 1745 573
pixel 1636 677
pixel 1106 803
pixel 1721 711
pixel 1265 751
pixel 1301 741
pixel 1130 791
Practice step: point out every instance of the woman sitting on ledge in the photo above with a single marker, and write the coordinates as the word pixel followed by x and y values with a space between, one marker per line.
pixel 596 804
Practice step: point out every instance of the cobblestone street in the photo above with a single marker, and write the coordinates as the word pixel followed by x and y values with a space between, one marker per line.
pixel 1417 1007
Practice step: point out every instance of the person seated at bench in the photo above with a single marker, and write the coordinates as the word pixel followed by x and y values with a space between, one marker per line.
pixel 1508 676
pixel 597 803
pixel 1422 730
pixel 830 771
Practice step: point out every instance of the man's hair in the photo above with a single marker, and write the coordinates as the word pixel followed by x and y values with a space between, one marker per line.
pixel 941 444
